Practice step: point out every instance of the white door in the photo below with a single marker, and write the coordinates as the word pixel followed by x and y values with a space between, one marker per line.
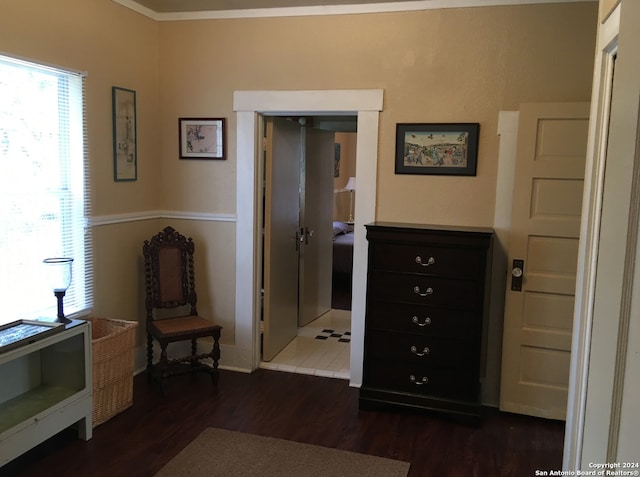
pixel 281 219
pixel 316 254
pixel 545 228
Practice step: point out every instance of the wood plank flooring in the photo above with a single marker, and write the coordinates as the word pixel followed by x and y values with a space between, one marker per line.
pixel 315 410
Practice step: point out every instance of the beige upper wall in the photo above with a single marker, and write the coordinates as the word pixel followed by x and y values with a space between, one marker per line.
pixel 116 47
pixel 606 7
pixel 454 65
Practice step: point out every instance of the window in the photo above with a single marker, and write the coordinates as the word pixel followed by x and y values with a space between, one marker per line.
pixel 44 202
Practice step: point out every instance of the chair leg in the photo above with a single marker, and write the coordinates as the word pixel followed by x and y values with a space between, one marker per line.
pixel 163 365
pixel 149 357
pixel 215 356
pixel 194 362
pixel 194 350
pixel 164 359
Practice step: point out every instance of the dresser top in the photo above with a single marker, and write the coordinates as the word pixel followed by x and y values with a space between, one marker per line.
pixel 442 228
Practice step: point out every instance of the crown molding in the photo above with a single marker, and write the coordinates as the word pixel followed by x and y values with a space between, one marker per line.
pixel 384 7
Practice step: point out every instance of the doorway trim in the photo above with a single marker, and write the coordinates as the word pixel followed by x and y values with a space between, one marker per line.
pixel 249 105
pixel 576 442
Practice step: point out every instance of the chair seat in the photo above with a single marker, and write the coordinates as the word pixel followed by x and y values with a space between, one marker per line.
pixel 179 327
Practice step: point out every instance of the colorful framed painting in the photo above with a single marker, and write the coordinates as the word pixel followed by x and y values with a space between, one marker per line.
pixel 202 138
pixel 125 148
pixel 439 148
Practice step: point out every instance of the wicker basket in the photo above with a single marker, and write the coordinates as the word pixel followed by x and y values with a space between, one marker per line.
pixel 113 342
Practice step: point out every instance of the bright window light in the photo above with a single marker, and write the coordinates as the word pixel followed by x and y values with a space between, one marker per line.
pixel 44 201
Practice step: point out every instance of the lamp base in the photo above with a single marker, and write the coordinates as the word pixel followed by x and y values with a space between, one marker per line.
pixel 351 220
pixel 61 318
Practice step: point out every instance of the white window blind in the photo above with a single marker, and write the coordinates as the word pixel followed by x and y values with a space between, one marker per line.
pixel 44 200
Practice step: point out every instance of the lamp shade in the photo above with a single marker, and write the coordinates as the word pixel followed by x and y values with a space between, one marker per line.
pixel 351 184
pixel 59 273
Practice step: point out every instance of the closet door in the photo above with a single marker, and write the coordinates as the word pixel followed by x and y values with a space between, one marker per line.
pixel 543 251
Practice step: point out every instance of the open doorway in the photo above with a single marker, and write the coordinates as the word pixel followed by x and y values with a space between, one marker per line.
pixel 308 161
pixel 248 105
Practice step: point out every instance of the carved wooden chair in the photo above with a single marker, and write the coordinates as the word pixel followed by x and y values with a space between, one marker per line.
pixel 171 308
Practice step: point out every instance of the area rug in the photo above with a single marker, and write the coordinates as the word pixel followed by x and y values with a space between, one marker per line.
pixel 222 453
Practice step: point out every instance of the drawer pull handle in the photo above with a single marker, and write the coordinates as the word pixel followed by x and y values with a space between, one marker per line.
pixel 427 321
pixel 430 261
pixel 424 352
pixel 427 292
pixel 417 382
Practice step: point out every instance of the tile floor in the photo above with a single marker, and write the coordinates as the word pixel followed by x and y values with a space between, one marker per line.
pixel 322 348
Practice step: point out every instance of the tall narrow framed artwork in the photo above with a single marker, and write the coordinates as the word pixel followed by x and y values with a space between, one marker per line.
pixel 202 138
pixel 125 147
pixel 440 148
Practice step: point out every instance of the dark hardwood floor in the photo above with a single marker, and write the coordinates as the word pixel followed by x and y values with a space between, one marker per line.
pixel 322 411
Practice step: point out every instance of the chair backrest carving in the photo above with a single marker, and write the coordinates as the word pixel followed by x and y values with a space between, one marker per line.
pixel 169 272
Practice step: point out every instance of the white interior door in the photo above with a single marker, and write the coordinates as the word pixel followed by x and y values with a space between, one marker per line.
pixel 316 254
pixel 547 202
pixel 281 217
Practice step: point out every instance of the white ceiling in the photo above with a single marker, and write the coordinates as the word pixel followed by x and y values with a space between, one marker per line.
pixel 198 9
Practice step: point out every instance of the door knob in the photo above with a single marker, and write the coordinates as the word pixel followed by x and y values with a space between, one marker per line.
pixel 299 238
pixel 517 270
pixel 307 235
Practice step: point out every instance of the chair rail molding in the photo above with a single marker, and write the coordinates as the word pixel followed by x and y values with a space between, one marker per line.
pixel 111 219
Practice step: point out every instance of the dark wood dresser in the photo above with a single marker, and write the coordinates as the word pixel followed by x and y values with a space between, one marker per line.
pixel 427 296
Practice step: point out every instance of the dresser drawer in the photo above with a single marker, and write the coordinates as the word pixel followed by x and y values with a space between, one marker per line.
pixel 426 320
pixel 425 290
pixel 431 260
pixel 444 353
pixel 421 379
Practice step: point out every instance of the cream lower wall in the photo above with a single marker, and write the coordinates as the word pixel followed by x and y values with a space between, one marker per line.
pixel 120 268
pixel 454 65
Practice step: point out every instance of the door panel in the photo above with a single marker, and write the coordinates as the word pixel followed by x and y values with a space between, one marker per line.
pixel 553 197
pixel 282 211
pixel 317 216
pixel 552 264
pixel 552 140
pixel 544 368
